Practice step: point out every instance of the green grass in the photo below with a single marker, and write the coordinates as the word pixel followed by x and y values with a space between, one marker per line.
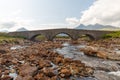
pixel 40 37
pixel 4 38
pixel 112 35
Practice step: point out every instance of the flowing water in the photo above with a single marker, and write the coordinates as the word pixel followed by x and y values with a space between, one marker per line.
pixel 104 69
pixel 17 47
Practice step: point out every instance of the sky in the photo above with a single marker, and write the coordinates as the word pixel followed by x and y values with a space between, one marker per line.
pixel 49 14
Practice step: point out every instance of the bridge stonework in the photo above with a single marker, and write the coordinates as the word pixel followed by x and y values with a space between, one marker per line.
pixel 51 33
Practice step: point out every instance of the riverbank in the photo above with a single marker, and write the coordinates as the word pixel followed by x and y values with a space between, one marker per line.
pixel 103 56
pixel 38 61
pixel 87 60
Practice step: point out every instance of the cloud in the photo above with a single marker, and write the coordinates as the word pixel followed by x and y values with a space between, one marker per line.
pixel 14 21
pixel 12 24
pixel 104 12
pixel 8 25
pixel 72 21
pixel 17 12
pixel 50 26
pixel 21 22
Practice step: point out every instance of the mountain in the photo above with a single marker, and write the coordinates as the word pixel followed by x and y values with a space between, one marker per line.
pixel 22 29
pixel 97 27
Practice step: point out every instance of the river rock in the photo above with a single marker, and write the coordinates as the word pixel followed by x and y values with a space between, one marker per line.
pixel 6 77
pixel 48 72
pixel 3 51
pixel 64 73
pixel 26 69
pixel 36 63
pixel 41 76
pixel 27 77
pixel 44 63
pixel 58 60
pixel 94 53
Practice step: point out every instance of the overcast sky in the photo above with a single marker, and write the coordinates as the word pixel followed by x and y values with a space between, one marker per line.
pixel 46 14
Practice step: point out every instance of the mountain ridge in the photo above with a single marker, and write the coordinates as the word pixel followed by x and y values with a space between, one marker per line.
pixel 96 27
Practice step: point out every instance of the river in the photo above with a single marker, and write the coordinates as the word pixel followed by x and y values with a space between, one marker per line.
pixel 104 69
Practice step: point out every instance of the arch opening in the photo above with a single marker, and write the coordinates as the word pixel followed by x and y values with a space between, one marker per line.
pixel 38 38
pixel 86 37
pixel 62 37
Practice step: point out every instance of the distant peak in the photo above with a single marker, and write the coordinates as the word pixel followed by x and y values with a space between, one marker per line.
pixel 96 27
pixel 22 29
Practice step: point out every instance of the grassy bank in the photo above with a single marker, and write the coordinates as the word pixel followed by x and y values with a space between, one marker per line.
pixel 112 35
pixel 4 38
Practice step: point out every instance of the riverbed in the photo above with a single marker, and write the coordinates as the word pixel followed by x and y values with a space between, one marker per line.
pixel 58 61
pixel 103 69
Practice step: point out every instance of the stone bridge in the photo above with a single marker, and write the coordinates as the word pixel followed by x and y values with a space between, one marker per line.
pixel 51 33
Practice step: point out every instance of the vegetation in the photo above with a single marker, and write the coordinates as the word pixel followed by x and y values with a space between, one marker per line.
pixel 40 38
pixel 4 38
pixel 112 35
pixel 84 37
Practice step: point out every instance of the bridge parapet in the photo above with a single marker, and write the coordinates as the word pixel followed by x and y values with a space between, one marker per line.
pixel 51 33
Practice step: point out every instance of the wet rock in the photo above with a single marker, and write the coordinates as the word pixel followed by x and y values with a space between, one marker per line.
pixel 48 72
pixel 81 70
pixel 3 51
pixel 44 63
pixel 6 72
pixel 6 77
pixel 101 54
pixel 74 42
pixel 58 60
pixel 67 60
pixel 118 64
pixel 14 61
pixel 54 78
pixel 64 73
pixel 26 69
pixel 19 78
pixel 94 53
pixel 88 71
pixel 74 70
pixel 27 77
pixel 41 76
pixel 0 73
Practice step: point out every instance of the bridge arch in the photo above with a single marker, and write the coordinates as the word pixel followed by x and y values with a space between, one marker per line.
pixel 91 37
pixel 64 33
pixel 33 38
